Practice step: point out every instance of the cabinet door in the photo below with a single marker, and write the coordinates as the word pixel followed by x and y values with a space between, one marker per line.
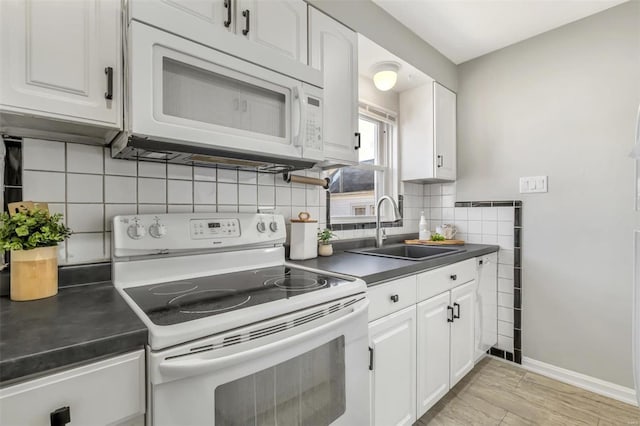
pixel 416 133
pixel 334 51
pixel 444 132
pixel 433 316
pixel 279 25
pixel 392 340
pixel 55 56
pixel 462 332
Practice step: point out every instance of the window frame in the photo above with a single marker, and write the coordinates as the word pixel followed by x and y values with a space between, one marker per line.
pixel 388 144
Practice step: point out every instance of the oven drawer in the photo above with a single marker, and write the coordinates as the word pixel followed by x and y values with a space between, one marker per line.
pixel 391 297
pixel 436 281
pixel 111 391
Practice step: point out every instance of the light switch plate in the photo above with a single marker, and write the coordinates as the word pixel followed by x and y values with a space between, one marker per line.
pixel 532 184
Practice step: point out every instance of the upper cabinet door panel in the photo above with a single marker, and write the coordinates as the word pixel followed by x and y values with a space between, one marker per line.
pixel 201 19
pixel 278 25
pixel 334 51
pixel 445 132
pixel 55 56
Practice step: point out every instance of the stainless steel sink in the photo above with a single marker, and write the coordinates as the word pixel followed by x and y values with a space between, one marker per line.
pixel 409 252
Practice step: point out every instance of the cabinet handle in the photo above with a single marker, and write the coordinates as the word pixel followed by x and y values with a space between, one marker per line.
pixel 440 160
pixel 357 134
pixel 60 417
pixel 227 5
pixel 454 277
pixel 450 311
pixel 247 17
pixel 395 298
pixel 109 93
pixel 370 358
pixel 455 305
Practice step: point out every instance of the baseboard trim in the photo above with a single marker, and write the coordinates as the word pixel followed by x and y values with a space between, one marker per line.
pixel 580 380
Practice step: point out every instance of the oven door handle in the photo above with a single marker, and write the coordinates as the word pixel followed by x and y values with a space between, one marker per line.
pixel 180 368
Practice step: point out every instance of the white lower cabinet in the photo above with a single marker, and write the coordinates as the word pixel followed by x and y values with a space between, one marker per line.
pixel 392 346
pixel 433 350
pixel 110 391
pixel 462 347
pixel 420 351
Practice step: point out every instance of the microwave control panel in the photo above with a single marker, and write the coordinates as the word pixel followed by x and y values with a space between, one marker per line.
pixel 314 123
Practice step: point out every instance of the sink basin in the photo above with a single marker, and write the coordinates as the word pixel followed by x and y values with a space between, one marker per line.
pixel 409 252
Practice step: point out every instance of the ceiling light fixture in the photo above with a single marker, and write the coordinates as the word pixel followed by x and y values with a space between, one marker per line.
pixel 385 75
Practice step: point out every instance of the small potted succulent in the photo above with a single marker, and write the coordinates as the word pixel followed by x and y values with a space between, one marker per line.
pixel 32 237
pixel 325 248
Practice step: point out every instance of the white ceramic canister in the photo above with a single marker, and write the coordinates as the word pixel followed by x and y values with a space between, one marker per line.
pixel 304 237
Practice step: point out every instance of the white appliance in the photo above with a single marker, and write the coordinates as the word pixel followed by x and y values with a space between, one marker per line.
pixel 189 103
pixel 237 336
pixel 636 285
pixel 486 312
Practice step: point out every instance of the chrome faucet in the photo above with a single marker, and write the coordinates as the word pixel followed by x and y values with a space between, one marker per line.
pixel 380 234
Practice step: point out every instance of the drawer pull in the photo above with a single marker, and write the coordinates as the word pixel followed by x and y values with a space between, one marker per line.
pixel 455 305
pixel 60 417
pixel 454 277
pixel 450 311
pixel 395 298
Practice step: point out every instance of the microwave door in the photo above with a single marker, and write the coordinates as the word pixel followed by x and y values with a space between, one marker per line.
pixel 202 97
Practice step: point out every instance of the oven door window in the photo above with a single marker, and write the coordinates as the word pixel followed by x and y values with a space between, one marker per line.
pixel 306 390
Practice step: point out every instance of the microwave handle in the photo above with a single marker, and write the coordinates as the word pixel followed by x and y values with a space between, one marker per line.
pixel 298 93
pixel 175 369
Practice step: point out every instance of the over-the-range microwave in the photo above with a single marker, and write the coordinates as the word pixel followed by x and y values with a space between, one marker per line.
pixel 189 103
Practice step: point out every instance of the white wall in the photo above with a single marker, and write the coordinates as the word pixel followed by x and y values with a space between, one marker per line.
pixel 367 92
pixel 563 104
pixel 370 20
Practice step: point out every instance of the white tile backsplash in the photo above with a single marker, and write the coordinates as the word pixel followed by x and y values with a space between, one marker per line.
pixel 120 189
pixel 227 193
pixel 247 194
pixel 111 210
pixel 43 186
pixel 152 191
pixel 179 191
pixel 204 173
pixel 85 217
pixel 149 169
pixel 43 155
pixel 114 166
pixel 204 192
pixel 179 171
pixel 83 248
pixel 85 159
pixel 84 188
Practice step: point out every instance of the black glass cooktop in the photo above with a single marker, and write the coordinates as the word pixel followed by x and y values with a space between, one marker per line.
pixel 179 301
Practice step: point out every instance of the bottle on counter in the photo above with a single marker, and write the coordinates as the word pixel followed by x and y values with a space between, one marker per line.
pixel 423 228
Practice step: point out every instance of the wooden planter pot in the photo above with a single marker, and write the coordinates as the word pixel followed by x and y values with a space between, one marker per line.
pixel 34 273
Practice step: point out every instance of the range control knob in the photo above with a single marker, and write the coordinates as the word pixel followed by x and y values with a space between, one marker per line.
pixel 273 226
pixel 157 230
pixel 261 227
pixel 136 231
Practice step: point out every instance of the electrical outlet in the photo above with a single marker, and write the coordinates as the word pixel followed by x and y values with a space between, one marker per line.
pixel 533 184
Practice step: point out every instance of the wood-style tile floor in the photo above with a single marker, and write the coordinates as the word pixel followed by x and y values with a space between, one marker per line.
pixel 497 393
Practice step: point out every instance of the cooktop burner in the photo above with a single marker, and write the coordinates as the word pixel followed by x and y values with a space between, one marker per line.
pixel 179 301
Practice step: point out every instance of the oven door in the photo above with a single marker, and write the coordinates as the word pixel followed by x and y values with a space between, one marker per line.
pixel 180 91
pixel 307 368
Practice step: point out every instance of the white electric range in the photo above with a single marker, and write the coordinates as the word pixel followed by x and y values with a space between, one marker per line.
pixel 236 335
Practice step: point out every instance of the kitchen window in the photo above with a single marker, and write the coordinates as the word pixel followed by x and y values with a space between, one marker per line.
pixel 354 190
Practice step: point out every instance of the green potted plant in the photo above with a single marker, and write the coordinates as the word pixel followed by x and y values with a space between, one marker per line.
pixel 32 237
pixel 325 248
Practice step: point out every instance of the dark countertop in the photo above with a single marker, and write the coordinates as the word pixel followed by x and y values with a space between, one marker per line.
pixel 376 269
pixel 80 323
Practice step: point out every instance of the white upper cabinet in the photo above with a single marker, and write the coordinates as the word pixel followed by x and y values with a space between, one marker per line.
pixel 61 61
pixel 278 25
pixel 334 51
pixel 444 132
pixel 428 133
pixel 271 33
